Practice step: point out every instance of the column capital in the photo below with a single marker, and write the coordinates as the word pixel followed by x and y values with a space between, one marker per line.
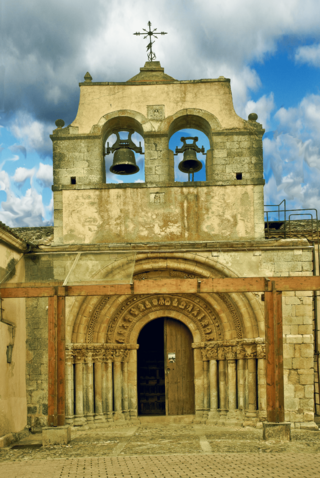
pixel 261 351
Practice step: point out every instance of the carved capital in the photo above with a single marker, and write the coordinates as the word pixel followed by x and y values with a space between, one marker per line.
pixel 231 353
pixel 261 351
pixel 212 352
pixel 69 356
pixel 251 350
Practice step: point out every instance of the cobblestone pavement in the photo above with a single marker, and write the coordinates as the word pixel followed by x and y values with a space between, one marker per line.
pixel 165 451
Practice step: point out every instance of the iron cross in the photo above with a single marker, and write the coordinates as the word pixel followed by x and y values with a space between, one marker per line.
pixel 150 33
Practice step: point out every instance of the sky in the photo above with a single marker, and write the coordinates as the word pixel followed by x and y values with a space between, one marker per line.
pixel 269 50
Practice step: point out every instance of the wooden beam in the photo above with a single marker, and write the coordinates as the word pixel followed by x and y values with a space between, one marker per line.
pixel 61 390
pixel 274 355
pixel 52 362
pixel 25 292
pixel 165 286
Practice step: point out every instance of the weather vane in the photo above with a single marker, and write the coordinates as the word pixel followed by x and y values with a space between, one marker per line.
pixel 150 33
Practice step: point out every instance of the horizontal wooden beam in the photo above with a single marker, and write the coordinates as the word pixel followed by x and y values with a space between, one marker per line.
pixel 165 286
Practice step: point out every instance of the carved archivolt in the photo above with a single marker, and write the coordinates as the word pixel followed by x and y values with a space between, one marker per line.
pixel 95 316
pixel 195 308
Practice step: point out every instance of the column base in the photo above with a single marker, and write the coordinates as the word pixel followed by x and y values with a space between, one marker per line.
pixel 79 421
pixel 118 417
pixel 99 418
pixel 90 417
pixel 56 435
pixel 198 417
pixel 70 420
pixel 277 431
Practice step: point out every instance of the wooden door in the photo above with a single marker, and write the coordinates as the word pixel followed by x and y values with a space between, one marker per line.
pixel 179 371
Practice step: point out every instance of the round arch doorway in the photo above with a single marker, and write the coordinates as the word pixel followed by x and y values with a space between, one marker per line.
pixel 165 369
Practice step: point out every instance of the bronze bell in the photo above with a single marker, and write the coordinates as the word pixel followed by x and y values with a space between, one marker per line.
pixel 124 161
pixel 190 163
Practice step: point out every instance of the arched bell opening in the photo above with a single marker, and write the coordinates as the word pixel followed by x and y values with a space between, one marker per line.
pixel 190 147
pixel 124 156
pixel 165 369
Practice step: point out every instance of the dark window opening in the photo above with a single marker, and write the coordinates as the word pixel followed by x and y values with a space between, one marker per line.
pixel 73 180
pixel 239 175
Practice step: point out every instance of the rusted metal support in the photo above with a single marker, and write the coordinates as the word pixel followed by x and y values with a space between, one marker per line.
pixel 52 362
pixel 274 351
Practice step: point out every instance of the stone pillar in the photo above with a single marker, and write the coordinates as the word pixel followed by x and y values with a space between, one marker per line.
pixel 108 385
pixel 241 384
pixel 79 418
pixel 159 160
pixel 132 385
pixel 205 389
pixel 213 371
pixel 222 386
pixel 117 385
pixel 262 380
pixel 232 384
pixel 89 388
pixel 252 384
pixel 125 398
pixel 98 389
pixel 69 388
pixel 198 385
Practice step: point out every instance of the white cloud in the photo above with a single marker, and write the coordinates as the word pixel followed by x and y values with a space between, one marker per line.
pixel 45 174
pixel 18 148
pixel 309 54
pixel 21 174
pixel 24 211
pixel 33 133
pixel 139 181
pixel 4 181
pixel 263 107
pixel 293 156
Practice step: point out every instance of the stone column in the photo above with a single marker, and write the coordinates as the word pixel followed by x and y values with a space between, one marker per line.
pixel 125 398
pixel 241 385
pixel 213 383
pixel 232 384
pixel 69 388
pixel 159 160
pixel 98 388
pixel 252 384
pixel 117 384
pixel 222 386
pixel 198 385
pixel 79 358
pixel 262 380
pixel 108 385
pixel 89 388
pixel 132 385
pixel 205 389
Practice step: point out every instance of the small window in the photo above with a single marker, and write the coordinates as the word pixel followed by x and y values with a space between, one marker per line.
pixel 73 180
pixel 239 175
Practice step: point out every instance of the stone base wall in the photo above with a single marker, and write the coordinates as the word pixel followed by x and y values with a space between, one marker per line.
pixel 37 362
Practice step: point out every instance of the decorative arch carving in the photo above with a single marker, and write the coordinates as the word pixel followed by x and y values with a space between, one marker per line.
pixel 124 119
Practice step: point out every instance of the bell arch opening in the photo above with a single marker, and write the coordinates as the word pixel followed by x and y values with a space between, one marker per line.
pixel 191 163
pixel 165 369
pixel 124 155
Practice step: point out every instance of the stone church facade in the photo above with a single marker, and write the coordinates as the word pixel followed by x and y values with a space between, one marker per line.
pixel 213 344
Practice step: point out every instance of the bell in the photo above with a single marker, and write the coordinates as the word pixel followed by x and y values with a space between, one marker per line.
pixel 124 162
pixel 190 162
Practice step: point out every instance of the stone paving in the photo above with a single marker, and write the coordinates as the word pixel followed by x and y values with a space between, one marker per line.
pixel 165 451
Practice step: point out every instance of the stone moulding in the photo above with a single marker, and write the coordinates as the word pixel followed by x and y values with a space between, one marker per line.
pixel 232 350
pixel 98 352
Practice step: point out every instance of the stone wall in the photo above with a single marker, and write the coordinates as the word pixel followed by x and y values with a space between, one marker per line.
pixel 233 154
pixel 37 361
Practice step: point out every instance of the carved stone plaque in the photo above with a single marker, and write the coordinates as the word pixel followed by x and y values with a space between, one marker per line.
pixel 155 112
pixel 157 198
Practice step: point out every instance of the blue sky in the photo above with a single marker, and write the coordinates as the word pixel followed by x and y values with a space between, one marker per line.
pixel 271 53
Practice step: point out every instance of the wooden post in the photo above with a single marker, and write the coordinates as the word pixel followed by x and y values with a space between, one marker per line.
pixel 52 362
pixel 61 362
pixel 274 352
pixel 56 361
